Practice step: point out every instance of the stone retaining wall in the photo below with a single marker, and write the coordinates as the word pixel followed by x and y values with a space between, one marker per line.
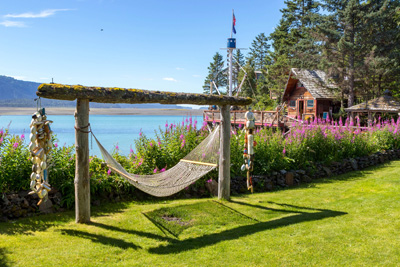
pixel 286 178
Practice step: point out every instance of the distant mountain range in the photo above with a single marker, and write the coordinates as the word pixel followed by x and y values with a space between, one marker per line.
pixel 17 93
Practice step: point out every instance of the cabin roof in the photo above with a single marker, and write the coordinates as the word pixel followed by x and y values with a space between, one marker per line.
pixel 385 103
pixel 315 81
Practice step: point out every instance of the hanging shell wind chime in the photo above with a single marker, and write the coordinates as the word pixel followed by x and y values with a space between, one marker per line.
pixel 40 147
pixel 248 150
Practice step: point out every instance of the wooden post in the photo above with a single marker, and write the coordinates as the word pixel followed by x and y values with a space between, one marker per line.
pixel 224 172
pixel 82 180
pixel 369 119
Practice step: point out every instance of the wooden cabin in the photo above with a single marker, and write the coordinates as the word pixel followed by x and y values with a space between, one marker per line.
pixel 309 94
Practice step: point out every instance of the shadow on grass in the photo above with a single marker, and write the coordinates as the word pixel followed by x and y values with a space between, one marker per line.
pixel 129 231
pixel 4 261
pixel 245 230
pixel 44 221
pixel 110 241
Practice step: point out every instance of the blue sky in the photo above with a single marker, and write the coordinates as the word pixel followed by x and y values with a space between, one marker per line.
pixel 149 44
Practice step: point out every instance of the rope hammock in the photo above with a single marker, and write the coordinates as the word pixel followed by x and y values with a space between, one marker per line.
pixel 200 161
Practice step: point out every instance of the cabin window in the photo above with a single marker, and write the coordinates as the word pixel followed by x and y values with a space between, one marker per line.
pixel 292 103
pixel 310 103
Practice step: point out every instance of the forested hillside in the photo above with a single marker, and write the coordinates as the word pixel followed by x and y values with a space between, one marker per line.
pixel 17 93
pixel 357 43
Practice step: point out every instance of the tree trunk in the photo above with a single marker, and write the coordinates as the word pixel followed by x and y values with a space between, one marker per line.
pixel 224 172
pixel 82 179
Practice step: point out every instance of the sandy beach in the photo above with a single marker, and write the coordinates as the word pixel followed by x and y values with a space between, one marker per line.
pixel 104 111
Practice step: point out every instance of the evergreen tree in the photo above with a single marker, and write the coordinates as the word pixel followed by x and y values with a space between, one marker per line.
pixel 259 51
pixel 237 62
pixel 216 73
pixel 295 35
pixel 361 45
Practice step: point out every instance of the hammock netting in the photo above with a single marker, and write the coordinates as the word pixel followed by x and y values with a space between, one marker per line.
pixel 200 161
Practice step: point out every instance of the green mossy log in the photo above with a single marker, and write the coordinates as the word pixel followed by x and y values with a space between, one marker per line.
pixel 133 96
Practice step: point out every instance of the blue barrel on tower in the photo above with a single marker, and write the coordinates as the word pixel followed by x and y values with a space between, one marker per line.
pixel 231 43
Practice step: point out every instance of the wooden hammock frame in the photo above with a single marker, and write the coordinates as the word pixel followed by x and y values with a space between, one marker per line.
pixel 85 94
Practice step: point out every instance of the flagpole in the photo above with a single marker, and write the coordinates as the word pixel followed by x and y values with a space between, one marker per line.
pixel 232 23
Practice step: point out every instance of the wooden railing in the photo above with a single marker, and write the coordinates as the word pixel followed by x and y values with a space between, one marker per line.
pixel 237 117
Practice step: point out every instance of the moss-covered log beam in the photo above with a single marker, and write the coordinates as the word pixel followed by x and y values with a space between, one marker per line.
pixel 133 96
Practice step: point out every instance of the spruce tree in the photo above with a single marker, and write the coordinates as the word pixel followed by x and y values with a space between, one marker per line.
pixel 216 73
pixel 259 51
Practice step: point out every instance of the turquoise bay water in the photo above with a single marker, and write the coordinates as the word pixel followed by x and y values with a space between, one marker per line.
pixel 113 130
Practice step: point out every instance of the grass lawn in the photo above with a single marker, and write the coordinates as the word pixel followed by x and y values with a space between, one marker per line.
pixel 352 219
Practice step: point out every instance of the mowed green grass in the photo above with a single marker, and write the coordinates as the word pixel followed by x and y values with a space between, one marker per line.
pixel 348 220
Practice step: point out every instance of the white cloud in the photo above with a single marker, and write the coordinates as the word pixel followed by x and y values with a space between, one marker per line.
pixel 29 15
pixel 8 23
pixel 177 68
pixel 169 79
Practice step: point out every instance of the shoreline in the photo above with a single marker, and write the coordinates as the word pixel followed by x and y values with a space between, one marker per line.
pixel 104 111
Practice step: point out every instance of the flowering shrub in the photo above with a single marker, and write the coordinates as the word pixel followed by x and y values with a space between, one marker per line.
pixel 15 164
pixel 317 141
pixel 305 144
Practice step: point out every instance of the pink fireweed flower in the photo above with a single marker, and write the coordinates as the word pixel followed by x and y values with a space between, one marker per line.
pixel 183 143
pixel 187 120
pixel 190 120
pixel 209 181
pixel 155 170
pixel 140 133
pixel 131 151
pixel 90 160
pixel 109 172
pixel 206 118
pixel 117 147
pixel 159 144
pixel 203 155
pixel 166 124
pixel 22 136
pixel 181 137
pixel 183 123
pixel 151 144
pixel 240 126
pixel 163 170
pixel 56 145
pixel 187 127
pixel 214 122
pixel 15 145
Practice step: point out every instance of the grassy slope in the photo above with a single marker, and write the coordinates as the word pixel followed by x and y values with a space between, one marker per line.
pixel 352 220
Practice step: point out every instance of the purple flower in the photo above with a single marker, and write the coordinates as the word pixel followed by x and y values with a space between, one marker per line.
pixel 209 181
pixel 284 151
pixel 109 172
pixel 131 151
pixel 15 145
pixel 166 124
pixel 151 144
pixel 155 170
pixel 56 145
pixel 159 144
pixel 117 147
pixel 22 136
pixel 203 155
pixel 181 137
pixel 162 170
pixel 187 127
pixel 140 133
pixel 183 143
